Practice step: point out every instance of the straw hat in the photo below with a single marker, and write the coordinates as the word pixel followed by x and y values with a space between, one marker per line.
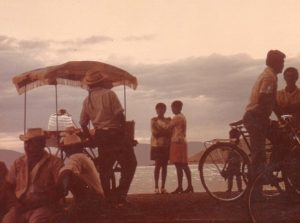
pixel 93 77
pixel 32 133
pixel 71 139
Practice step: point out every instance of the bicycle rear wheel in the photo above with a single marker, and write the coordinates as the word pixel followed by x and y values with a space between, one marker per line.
pixel 224 171
pixel 267 200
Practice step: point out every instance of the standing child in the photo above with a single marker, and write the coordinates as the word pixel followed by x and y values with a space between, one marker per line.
pixel 160 146
pixel 178 148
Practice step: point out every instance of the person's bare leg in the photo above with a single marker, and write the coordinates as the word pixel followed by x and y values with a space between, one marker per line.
pixel 156 174
pixel 188 174
pixel 179 178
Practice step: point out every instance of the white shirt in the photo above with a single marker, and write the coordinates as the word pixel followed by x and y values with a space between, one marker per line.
pixel 101 107
pixel 64 121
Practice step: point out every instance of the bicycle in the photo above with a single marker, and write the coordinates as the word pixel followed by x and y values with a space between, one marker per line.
pixel 274 193
pixel 217 162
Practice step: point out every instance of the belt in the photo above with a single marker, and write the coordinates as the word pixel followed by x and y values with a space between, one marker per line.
pixel 106 129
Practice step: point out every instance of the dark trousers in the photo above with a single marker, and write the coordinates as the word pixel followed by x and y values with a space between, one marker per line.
pixel 257 127
pixel 87 203
pixel 112 148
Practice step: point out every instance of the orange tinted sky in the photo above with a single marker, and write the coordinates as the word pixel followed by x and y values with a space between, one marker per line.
pixel 158 30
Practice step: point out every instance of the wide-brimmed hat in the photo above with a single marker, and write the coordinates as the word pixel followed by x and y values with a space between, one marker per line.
pixel 93 77
pixel 70 140
pixel 32 133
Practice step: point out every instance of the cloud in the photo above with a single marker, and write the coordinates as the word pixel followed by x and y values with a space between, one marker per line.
pixel 6 43
pixel 10 141
pixel 95 40
pixel 139 38
pixel 31 44
pixel 86 41
pixel 12 44
pixel 214 90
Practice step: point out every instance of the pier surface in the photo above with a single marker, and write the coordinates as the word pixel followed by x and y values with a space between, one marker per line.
pixel 182 208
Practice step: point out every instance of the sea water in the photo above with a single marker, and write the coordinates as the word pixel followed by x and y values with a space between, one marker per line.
pixel 143 181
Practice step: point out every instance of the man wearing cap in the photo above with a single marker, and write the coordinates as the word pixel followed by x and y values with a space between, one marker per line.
pixel 34 177
pixel 262 103
pixel 80 176
pixel 103 108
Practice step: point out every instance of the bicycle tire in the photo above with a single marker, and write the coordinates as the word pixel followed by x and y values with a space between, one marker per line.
pixel 292 174
pixel 266 202
pixel 211 164
pixel 113 183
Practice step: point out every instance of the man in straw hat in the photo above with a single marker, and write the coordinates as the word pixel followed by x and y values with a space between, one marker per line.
pixel 103 108
pixel 33 177
pixel 79 175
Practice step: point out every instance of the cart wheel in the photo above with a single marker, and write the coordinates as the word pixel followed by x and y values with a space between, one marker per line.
pixel 224 171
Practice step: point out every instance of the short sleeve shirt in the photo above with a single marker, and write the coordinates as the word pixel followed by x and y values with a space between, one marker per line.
pixel 178 127
pixel 101 108
pixel 285 98
pixel 265 83
pixel 156 140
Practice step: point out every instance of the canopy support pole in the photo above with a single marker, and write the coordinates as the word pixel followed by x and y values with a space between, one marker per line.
pixel 56 107
pixel 57 132
pixel 125 110
pixel 25 109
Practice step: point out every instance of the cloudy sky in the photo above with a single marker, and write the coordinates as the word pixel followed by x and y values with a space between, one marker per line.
pixel 205 53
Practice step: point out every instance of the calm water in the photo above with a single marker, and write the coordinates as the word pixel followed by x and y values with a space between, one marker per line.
pixel 143 181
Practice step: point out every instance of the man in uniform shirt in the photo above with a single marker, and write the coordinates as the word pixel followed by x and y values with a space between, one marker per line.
pixel 288 99
pixel 103 108
pixel 262 103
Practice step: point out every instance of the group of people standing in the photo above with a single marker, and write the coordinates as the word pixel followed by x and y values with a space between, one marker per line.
pixel 168 142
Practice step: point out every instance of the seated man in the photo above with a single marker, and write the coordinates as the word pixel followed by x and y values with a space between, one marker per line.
pixel 288 99
pixel 33 178
pixel 7 197
pixel 80 176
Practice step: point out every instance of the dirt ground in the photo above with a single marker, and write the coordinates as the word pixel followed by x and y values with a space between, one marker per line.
pixel 192 207
pixel 188 208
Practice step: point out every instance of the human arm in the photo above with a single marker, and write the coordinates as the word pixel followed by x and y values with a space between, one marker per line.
pixel 160 128
pixel 117 108
pixel 72 167
pixel 84 121
pixel 64 181
pixel 267 96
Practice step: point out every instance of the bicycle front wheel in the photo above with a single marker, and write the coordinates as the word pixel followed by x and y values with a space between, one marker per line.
pixel 224 171
pixel 268 200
